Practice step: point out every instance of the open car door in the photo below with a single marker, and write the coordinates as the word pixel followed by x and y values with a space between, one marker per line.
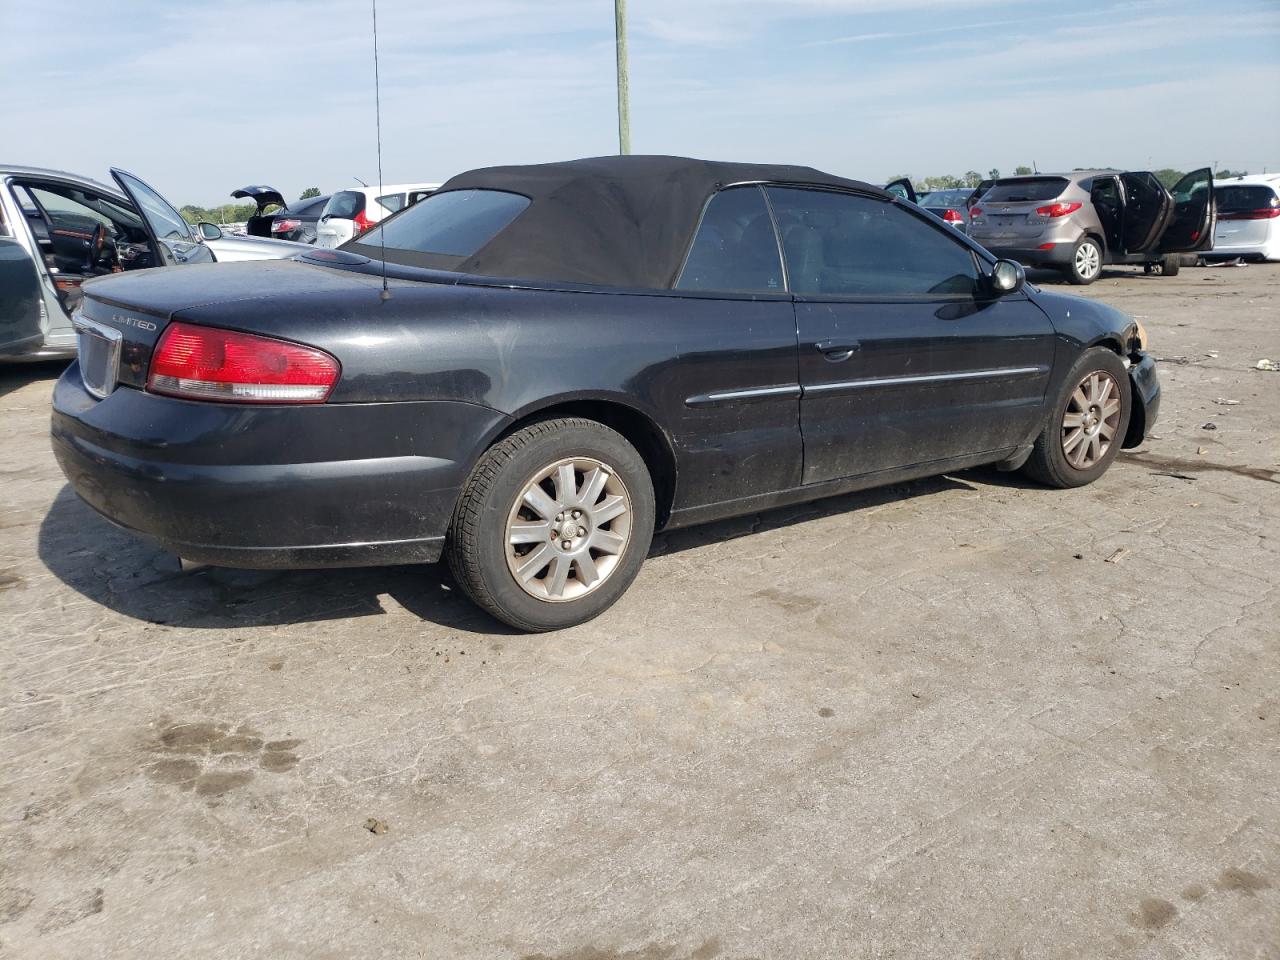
pixel 1193 214
pixel 979 192
pixel 21 307
pixel 1148 208
pixel 171 235
pixel 903 189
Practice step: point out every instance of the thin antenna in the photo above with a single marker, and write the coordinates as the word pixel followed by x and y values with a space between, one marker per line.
pixel 377 111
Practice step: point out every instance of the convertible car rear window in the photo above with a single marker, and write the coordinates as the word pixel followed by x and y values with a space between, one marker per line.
pixel 1013 191
pixel 445 228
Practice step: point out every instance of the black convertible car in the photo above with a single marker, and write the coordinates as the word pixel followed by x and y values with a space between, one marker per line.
pixel 568 356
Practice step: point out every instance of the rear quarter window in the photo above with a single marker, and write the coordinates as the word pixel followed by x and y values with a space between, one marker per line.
pixel 391 201
pixel 1028 189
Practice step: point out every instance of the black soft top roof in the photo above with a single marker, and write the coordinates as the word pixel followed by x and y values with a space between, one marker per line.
pixel 620 221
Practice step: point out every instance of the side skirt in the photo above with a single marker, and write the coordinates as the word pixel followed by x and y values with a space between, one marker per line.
pixel 688 516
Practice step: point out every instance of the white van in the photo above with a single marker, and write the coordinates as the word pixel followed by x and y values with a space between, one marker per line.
pixel 351 212
pixel 1248 218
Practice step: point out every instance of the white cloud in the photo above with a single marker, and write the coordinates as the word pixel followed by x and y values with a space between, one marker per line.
pixel 201 98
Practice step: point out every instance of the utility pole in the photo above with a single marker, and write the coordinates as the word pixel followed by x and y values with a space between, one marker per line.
pixel 624 107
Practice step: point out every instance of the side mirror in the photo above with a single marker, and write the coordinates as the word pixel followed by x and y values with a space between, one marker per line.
pixel 1007 276
pixel 210 231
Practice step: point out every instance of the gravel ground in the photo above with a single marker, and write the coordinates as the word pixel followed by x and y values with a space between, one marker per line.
pixel 927 721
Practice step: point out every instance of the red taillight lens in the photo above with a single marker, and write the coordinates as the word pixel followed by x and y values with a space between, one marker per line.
pixel 205 363
pixel 1055 210
pixel 1263 213
pixel 362 222
pixel 975 212
pixel 284 226
pixel 952 216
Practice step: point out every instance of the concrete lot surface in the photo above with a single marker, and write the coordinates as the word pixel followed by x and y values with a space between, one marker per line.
pixel 928 721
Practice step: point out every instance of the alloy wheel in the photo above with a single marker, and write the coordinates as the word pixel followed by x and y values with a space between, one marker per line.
pixel 1091 419
pixel 568 529
pixel 1088 261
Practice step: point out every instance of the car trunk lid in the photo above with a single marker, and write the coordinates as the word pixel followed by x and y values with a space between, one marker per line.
pixel 123 316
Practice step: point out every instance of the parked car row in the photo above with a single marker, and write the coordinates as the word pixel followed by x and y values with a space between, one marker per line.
pixel 1078 222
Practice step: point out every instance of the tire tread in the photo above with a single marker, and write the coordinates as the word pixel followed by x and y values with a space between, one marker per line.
pixel 462 539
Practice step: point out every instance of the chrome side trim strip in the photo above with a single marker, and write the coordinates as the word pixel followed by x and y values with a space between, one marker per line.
pixel 722 396
pixel 795 390
pixel 926 378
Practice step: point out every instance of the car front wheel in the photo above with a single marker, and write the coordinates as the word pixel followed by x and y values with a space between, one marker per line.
pixel 1086 424
pixel 553 524
pixel 1086 262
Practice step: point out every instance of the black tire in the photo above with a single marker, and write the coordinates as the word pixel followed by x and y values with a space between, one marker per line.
pixel 1081 252
pixel 1170 265
pixel 476 545
pixel 1048 462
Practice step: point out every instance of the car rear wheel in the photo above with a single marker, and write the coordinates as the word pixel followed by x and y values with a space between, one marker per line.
pixel 553 524
pixel 1086 262
pixel 1087 422
pixel 1170 265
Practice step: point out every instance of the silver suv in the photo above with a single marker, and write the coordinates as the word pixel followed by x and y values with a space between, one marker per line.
pixel 1077 222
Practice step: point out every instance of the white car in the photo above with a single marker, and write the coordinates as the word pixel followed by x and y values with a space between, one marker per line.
pixel 59 230
pixel 1248 218
pixel 231 247
pixel 351 212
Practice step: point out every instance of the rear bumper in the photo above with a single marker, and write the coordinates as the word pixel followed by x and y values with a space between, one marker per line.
pixel 271 487
pixel 1059 255
pixel 1146 398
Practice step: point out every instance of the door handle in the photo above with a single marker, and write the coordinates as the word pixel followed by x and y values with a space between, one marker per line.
pixel 837 350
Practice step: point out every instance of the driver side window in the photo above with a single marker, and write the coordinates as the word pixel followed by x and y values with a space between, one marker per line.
pixel 843 244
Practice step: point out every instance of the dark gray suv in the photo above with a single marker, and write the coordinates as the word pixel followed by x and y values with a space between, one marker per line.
pixel 1077 222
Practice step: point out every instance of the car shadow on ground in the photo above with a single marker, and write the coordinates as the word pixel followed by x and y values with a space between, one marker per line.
pixel 127 574
pixel 18 375
pixel 780 518
pixel 1055 278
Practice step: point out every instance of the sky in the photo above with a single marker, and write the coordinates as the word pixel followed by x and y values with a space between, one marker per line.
pixel 204 96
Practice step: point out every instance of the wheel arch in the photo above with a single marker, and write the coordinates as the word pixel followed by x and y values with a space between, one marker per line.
pixel 1109 340
pixel 637 426
pixel 1136 432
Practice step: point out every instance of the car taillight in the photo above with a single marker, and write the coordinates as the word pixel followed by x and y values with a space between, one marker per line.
pixel 975 213
pixel 1262 213
pixel 1054 210
pixel 361 222
pixel 284 226
pixel 952 216
pixel 205 363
